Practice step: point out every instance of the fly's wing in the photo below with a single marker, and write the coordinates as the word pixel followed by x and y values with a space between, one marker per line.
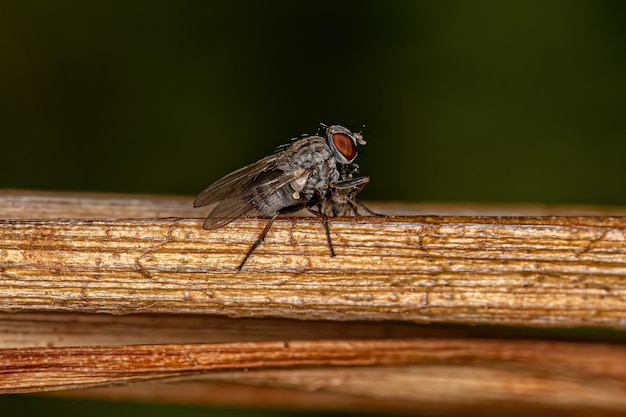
pixel 245 200
pixel 239 193
pixel 233 182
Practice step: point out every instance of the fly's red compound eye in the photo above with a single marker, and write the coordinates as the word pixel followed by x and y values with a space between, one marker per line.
pixel 345 145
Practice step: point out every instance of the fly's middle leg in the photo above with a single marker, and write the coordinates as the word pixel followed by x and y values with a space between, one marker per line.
pixel 330 241
pixel 326 227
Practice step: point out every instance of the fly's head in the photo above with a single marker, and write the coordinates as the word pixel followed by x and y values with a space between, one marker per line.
pixel 343 143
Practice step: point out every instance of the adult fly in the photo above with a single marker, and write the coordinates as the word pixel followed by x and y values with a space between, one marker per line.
pixel 312 172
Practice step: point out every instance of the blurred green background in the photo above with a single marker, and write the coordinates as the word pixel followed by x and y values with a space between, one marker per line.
pixel 492 101
pixel 514 101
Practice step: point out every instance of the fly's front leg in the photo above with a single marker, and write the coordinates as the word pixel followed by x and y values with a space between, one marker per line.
pixel 346 191
pixel 364 207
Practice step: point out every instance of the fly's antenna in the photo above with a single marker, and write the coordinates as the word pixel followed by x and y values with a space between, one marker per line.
pixel 359 136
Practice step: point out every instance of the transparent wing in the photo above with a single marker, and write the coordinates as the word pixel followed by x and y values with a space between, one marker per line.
pixel 248 194
pixel 242 203
pixel 225 212
pixel 225 187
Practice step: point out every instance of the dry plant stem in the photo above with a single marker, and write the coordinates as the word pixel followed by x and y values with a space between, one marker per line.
pixel 544 271
pixel 32 369
pixel 75 329
pixel 556 271
pixel 468 367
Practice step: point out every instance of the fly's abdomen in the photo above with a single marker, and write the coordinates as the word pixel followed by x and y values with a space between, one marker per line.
pixel 269 199
pixel 278 200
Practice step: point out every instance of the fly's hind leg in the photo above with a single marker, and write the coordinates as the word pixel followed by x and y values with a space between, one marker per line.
pixel 259 240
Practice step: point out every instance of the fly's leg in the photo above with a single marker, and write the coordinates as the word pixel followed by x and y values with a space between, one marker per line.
pixel 330 241
pixel 326 227
pixel 259 240
pixel 350 188
pixel 364 207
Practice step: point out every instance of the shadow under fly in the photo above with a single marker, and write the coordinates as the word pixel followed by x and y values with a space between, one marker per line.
pixel 312 172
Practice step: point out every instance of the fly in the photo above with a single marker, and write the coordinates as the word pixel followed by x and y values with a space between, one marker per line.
pixel 312 172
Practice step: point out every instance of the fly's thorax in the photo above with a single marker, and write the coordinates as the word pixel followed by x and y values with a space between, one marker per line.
pixel 313 154
pixel 309 151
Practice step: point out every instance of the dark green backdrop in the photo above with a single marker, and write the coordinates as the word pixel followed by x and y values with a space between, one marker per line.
pixel 507 101
pixel 462 101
